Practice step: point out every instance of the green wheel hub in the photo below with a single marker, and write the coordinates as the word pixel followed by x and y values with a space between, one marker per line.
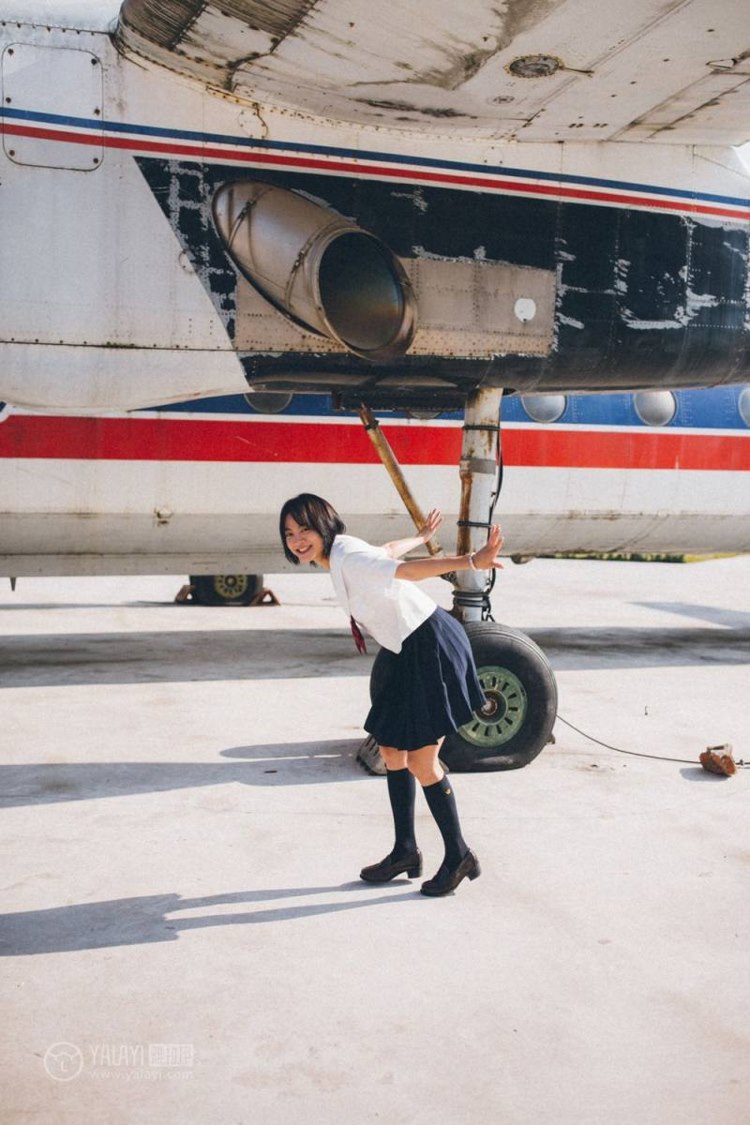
pixel 231 585
pixel 504 712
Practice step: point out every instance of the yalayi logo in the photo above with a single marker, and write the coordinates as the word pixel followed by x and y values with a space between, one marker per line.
pixel 63 1061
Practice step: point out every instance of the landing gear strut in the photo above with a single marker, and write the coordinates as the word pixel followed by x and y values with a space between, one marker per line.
pixel 516 721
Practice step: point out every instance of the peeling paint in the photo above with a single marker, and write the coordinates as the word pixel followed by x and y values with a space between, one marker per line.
pixel 186 199
pixel 698 301
pixel 416 197
pixel 649 325
pixel 694 304
pixel 621 275
pixel 479 255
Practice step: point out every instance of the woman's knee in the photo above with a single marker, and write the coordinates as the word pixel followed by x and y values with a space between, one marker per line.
pixel 425 766
pixel 394 759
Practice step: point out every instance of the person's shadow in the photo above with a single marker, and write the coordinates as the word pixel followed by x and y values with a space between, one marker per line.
pixel 289 763
pixel 149 918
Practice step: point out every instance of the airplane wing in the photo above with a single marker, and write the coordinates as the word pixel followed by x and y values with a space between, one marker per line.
pixel 523 70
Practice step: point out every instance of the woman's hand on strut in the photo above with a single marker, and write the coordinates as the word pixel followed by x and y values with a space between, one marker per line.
pixel 486 557
pixel 401 547
pixel 430 525
pixel 416 570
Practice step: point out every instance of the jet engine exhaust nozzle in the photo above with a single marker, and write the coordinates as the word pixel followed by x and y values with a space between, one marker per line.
pixel 318 268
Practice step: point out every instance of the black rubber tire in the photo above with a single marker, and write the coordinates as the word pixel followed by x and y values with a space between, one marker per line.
pixel 225 589
pixel 499 646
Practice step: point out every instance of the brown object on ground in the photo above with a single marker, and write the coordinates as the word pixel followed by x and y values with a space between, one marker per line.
pixel 719 759
pixel 265 597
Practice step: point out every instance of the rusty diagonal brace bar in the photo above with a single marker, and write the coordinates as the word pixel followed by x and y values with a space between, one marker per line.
pixel 387 456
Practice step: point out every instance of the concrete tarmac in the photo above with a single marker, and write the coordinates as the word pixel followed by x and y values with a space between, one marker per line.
pixel 183 934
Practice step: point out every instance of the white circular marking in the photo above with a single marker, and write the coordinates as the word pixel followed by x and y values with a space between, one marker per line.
pixel 525 308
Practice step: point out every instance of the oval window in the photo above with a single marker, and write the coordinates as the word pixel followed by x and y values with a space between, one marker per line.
pixel 743 405
pixel 655 408
pixel 268 402
pixel 544 408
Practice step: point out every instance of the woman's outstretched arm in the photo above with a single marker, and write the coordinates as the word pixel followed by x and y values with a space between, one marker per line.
pixel 400 547
pixel 415 570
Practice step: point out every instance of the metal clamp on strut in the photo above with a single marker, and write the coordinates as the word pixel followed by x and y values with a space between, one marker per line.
pixel 472 599
pixel 474 523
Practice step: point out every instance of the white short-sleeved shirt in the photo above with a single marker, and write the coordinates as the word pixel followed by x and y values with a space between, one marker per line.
pixel 364 578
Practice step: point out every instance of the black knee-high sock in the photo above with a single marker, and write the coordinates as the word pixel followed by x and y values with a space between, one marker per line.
pixel 401 792
pixel 442 803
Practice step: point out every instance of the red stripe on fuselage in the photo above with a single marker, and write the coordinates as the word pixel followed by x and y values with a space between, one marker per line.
pixel 358 168
pixel 175 439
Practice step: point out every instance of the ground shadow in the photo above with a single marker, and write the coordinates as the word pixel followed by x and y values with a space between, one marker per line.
pixel 621 647
pixel 697 773
pixel 150 918
pixel 267 654
pixel 717 615
pixel 52 660
pixel 291 763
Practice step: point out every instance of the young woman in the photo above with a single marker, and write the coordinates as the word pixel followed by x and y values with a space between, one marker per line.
pixel 427 680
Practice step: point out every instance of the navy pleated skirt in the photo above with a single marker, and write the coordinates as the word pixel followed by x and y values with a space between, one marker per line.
pixel 428 689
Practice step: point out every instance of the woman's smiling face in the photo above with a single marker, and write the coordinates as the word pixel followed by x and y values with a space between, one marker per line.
pixel 304 542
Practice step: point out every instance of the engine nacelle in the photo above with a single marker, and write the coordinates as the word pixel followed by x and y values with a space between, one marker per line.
pixel 318 268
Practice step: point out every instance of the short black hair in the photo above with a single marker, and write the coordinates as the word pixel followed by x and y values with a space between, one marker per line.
pixel 316 513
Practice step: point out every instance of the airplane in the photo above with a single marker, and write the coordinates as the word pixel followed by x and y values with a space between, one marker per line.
pixel 230 228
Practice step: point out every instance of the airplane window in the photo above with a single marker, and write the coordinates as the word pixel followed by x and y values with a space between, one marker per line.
pixel 269 402
pixel 655 408
pixel 544 408
pixel 744 405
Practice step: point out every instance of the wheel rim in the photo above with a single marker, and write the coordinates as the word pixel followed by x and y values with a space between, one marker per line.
pixel 230 585
pixel 504 711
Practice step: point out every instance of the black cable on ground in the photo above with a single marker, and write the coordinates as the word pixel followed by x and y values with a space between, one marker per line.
pixel 637 753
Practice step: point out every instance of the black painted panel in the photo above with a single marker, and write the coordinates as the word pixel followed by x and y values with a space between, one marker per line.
pixel 644 299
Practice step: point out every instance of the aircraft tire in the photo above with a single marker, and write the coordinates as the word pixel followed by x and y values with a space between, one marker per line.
pixel 522 694
pixel 225 589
